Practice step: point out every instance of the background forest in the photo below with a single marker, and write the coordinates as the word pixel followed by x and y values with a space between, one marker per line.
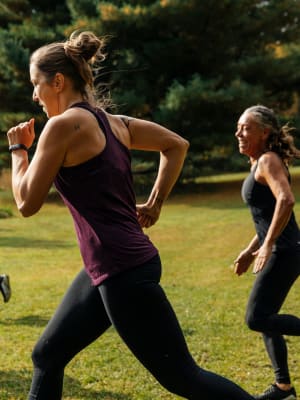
pixel 191 65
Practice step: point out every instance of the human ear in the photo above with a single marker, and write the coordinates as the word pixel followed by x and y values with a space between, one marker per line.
pixel 266 132
pixel 58 81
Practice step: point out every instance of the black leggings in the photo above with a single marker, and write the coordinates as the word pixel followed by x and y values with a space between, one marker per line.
pixel 267 296
pixel 136 305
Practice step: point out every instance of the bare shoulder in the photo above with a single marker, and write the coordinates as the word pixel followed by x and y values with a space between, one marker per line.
pixel 72 120
pixel 271 165
pixel 120 126
pixel 119 119
pixel 270 159
pixel 54 126
pixel 62 121
pixel 125 119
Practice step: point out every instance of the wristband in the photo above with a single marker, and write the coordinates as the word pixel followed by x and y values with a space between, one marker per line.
pixel 19 146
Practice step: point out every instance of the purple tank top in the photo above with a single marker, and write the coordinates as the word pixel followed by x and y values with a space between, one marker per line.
pixel 99 194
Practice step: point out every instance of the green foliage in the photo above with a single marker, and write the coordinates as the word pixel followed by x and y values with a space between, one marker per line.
pixel 206 62
pixel 5 213
pixel 78 8
pixel 202 98
pixel 191 65
pixel 12 72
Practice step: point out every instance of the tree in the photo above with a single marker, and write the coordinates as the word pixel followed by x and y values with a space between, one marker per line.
pixel 25 25
pixel 191 65
pixel 194 66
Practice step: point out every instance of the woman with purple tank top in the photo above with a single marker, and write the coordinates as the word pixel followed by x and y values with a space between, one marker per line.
pixel 85 151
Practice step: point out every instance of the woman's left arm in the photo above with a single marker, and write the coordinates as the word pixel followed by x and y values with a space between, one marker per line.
pixel 272 172
pixel 146 135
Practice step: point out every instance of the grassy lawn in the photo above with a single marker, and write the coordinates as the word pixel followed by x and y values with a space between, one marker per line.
pixel 199 236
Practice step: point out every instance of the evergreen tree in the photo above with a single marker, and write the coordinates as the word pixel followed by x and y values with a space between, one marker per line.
pixel 191 65
pixel 25 25
pixel 194 66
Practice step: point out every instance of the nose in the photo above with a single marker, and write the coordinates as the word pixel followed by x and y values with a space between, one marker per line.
pixel 34 96
pixel 238 132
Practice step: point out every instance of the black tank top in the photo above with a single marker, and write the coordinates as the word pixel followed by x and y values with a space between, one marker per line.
pixel 261 202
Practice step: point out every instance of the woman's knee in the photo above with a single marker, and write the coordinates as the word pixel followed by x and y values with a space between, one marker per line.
pixel 181 378
pixel 38 355
pixel 254 322
pixel 44 355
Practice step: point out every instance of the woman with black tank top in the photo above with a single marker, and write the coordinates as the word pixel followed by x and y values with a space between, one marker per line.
pixel 275 249
pixel 85 151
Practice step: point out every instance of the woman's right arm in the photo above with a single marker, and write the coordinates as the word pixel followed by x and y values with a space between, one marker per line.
pixel 246 257
pixel 31 181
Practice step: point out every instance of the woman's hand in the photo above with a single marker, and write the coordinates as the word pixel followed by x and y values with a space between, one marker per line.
pixel 22 134
pixel 262 255
pixel 148 214
pixel 243 262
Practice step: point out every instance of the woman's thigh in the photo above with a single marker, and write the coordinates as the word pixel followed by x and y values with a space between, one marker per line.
pixel 144 318
pixel 78 321
pixel 273 283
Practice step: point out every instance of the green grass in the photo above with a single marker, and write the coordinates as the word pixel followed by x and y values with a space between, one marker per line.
pixel 198 235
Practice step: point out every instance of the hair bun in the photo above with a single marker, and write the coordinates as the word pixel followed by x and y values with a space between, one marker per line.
pixel 83 44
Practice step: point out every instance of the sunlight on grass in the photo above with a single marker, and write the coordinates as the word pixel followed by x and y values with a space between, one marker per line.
pixel 198 236
pixel 220 178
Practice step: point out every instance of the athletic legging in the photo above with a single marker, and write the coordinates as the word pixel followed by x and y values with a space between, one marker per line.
pixel 136 305
pixel 269 291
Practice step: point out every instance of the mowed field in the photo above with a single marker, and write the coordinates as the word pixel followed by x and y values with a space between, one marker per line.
pixel 199 234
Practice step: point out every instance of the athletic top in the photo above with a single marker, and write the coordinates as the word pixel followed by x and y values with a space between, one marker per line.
pixel 261 202
pixel 99 194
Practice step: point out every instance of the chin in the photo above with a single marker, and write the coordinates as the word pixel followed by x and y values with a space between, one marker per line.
pixel 243 150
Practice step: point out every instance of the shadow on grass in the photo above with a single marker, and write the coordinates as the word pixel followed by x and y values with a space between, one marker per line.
pixel 214 195
pixel 15 385
pixel 73 388
pixel 29 320
pixel 36 243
